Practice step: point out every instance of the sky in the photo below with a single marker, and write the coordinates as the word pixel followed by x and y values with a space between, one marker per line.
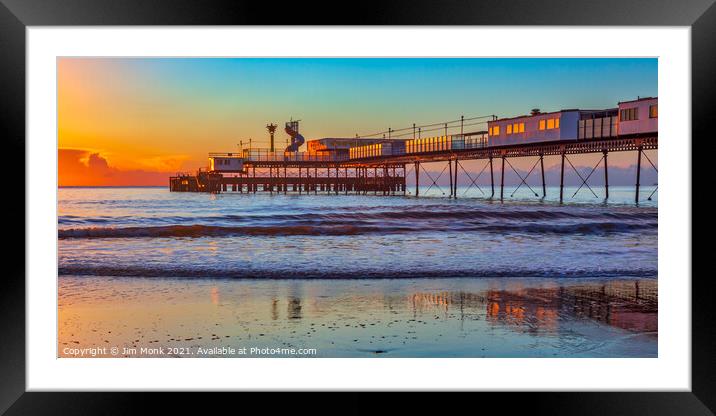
pixel 135 121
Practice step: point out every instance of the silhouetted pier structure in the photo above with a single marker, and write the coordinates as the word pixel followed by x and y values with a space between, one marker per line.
pixel 386 175
pixel 376 165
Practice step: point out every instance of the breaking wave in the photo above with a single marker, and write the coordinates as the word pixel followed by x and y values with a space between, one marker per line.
pixel 354 228
pixel 242 273
pixel 405 214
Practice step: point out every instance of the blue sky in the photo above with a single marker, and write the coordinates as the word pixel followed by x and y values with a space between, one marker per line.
pixel 343 96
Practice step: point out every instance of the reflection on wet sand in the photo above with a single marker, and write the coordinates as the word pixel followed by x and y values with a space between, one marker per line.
pixel 629 305
pixel 359 318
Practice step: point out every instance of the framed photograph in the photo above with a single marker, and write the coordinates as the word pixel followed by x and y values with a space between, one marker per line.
pixel 236 199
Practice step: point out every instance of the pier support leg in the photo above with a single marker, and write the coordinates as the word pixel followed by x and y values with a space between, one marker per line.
pixel 450 174
pixel 395 183
pixel 367 182
pixel 285 180
pixel 502 179
pixel 544 183
pixel 404 178
pixel 375 181
pixel 561 180
pixel 492 180
pixel 254 185
pixel 363 174
pixel 606 176
pixel 638 174
pixel 454 193
pixel 417 178
pixel 361 188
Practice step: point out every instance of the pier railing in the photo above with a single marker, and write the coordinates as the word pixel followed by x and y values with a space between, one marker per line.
pixel 264 155
pixel 421 145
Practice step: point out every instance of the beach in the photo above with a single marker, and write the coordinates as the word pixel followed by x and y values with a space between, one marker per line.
pixel 143 272
pixel 450 317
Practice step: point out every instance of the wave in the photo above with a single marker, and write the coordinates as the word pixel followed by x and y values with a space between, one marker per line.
pixel 405 214
pixel 188 272
pixel 355 228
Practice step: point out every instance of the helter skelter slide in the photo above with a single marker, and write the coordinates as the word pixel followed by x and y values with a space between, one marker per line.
pixel 296 139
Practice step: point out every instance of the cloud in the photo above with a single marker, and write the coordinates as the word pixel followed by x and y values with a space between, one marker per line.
pixel 82 167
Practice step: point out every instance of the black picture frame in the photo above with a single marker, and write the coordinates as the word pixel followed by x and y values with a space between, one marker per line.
pixel 16 15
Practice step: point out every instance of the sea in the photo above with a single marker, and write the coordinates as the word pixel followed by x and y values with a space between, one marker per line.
pixel 150 273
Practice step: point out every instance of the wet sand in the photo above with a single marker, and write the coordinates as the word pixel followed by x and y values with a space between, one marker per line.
pixel 461 317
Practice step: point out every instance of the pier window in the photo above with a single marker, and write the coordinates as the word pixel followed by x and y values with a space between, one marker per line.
pixel 522 127
pixel 542 124
pixel 496 130
pixel 654 111
pixel 556 123
pixel 509 129
pixel 629 114
pixel 550 123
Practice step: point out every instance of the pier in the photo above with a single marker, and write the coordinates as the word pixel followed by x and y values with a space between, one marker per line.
pixel 385 178
pixel 386 175
pixel 375 165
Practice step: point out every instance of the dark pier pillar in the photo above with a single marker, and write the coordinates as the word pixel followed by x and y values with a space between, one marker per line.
pixel 450 174
pixel 375 181
pixel 361 188
pixel 544 183
pixel 417 178
pixel 338 180
pixel 606 176
pixel 492 180
pixel 366 188
pixel 638 174
pixel 561 180
pixel 363 180
pixel 404 179
pixel 394 183
pixel 254 182
pixel 300 185
pixel 454 194
pixel 502 179
pixel 270 184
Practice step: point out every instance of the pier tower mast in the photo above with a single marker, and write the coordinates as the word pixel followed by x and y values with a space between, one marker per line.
pixel 271 129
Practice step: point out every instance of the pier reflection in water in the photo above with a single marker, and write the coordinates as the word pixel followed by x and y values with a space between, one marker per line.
pixel 367 318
